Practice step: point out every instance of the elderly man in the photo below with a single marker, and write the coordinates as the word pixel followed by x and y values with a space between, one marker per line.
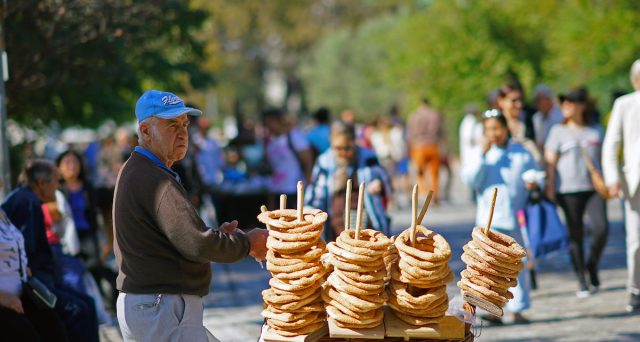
pixel 624 129
pixel 548 113
pixel 162 247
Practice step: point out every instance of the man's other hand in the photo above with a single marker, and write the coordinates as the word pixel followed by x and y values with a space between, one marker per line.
pixel 258 242
pixel 229 227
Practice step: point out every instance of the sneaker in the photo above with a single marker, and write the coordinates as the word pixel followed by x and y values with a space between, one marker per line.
pixel 494 320
pixel 583 293
pixel 518 318
pixel 634 304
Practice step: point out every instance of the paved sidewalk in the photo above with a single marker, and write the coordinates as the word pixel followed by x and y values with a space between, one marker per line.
pixel 233 307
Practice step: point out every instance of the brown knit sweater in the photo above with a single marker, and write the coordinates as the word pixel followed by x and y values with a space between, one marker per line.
pixel 161 244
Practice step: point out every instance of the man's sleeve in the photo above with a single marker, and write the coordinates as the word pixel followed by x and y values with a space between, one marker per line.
pixel 180 222
pixel 611 146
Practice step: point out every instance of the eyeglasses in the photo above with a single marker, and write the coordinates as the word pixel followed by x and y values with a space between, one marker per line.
pixel 342 147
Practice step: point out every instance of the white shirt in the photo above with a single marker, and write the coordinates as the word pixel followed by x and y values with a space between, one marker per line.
pixel 287 170
pixel 11 249
pixel 623 130
pixel 470 136
pixel 542 125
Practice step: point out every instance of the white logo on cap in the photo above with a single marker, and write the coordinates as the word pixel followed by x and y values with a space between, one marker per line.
pixel 171 100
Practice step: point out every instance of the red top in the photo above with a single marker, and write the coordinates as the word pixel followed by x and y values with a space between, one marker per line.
pixel 52 237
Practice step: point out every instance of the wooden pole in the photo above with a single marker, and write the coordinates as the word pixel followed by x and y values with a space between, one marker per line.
pixel 493 205
pixel 347 206
pixel 283 202
pixel 300 201
pixel 423 212
pixel 414 212
pixel 359 210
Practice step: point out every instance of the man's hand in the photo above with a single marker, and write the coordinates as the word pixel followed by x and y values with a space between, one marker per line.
pixel 258 242
pixel 531 186
pixel 374 187
pixel 550 192
pixel 12 302
pixel 614 190
pixel 229 227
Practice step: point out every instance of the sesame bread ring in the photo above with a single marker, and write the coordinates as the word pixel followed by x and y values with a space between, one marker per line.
pixel 293 306
pixel 362 277
pixel 498 301
pixel 423 274
pixel 349 267
pixel 438 309
pixel 341 242
pixel 424 264
pixel 270 297
pixel 485 267
pixel 490 278
pixel 329 296
pixel 409 302
pixel 408 279
pixel 302 331
pixel 500 291
pixel 376 263
pixel 414 320
pixel 287 218
pixel 504 283
pixel 428 297
pixel 294 267
pixel 367 286
pixel 317 268
pixel 479 254
pixel 361 303
pixel 307 319
pixel 315 306
pixel 345 254
pixel 300 293
pixel 369 238
pixel 338 316
pixel 442 252
pixel 312 235
pixel 501 257
pixel 499 242
pixel 289 247
pixel 357 326
pixel 285 316
pixel 431 284
pixel 343 286
pixel 296 284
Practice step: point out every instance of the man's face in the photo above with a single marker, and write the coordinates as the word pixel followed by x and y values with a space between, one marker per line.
pixel 169 138
pixel 543 103
pixel 343 147
pixel 47 190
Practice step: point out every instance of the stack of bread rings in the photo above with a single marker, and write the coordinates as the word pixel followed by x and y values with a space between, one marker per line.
pixel 294 306
pixel 354 292
pixel 419 277
pixel 494 261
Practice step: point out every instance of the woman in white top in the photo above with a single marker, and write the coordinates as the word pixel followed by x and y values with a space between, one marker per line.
pixel 569 182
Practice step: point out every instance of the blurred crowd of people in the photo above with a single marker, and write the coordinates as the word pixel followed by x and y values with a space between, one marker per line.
pixel 57 224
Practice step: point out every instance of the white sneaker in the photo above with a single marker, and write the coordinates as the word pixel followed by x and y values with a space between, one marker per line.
pixel 583 294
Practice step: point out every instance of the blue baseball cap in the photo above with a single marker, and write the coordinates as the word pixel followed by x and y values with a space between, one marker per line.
pixel 162 104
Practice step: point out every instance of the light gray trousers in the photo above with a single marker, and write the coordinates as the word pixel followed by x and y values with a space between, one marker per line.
pixel 161 317
pixel 632 227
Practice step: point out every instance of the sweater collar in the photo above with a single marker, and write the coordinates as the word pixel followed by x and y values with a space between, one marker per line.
pixel 155 160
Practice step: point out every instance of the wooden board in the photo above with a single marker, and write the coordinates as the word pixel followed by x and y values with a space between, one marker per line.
pixel 268 335
pixel 450 328
pixel 376 333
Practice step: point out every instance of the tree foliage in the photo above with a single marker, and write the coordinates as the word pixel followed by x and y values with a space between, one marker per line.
pixel 82 62
pixel 455 52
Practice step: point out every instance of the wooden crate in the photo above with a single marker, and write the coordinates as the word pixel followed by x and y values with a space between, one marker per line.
pixel 450 328
pixel 376 333
pixel 268 335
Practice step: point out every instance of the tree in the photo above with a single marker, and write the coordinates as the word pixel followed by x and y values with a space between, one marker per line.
pixel 82 62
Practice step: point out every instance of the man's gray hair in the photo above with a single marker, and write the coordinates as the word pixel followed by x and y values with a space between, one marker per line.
pixel 38 170
pixel 635 72
pixel 148 121
pixel 544 90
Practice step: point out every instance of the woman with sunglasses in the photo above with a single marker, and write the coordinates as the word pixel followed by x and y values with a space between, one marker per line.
pixel 345 160
pixel 570 183
pixel 500 163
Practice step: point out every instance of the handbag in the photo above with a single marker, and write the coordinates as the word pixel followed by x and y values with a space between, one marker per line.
pixel 596 177
pixel 35 289
pixel 545 230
